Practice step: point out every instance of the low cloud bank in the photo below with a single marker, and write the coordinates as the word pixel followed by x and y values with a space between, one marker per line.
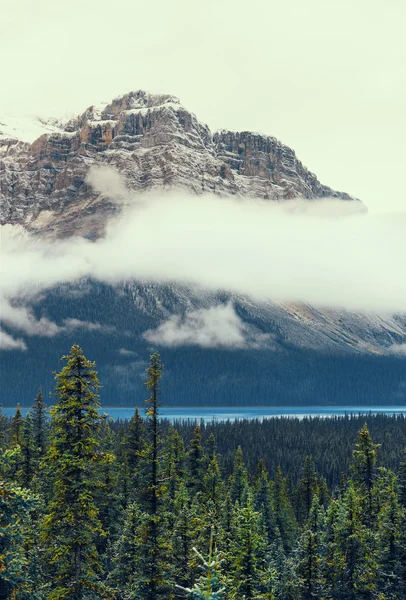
pixel 326 253
pixel 214 327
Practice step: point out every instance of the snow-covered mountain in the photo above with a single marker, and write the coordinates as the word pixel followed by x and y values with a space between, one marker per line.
pixel 154 142
pixel 279 353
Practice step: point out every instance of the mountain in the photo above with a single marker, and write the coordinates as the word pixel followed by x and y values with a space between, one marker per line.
pixel 271 353
pixel 155 143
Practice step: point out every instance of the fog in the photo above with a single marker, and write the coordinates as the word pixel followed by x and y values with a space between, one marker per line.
pixel 327 253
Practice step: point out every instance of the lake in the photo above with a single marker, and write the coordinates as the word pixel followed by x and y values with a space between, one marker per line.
pixel 244 412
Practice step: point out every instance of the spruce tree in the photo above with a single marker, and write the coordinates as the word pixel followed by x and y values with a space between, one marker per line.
pixel 72 525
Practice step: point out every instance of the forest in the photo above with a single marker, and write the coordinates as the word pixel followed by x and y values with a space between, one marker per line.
pixel 279 509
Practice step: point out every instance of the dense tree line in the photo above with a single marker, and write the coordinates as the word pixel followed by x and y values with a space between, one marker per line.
pixel 148 511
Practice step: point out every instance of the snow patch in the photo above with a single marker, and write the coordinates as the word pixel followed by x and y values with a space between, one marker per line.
pixel 27 129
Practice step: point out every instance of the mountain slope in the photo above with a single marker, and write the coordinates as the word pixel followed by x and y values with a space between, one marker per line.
pixel 288 355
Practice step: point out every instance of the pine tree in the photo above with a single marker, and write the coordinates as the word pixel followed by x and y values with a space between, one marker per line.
pixel 211 585
pixel 306 490
pixel 175 462
pixel 39 420
pixel 16 504
pixel 352 562
pixel 263 501
pixel 183 537
pixel 3 427
pixel 389 519
pixel 16 428
pixel 153 565
pixel 29 462
pixel 239 479
pixel 123 576
pixel 210 448
pixel 248 553
pixel 195 462
pixel 72 525
pixel 402 481
pixel 134 446
pixel 309 554
pixel 107 496
pixel 284 515
pixel 282 578
pixel 363 468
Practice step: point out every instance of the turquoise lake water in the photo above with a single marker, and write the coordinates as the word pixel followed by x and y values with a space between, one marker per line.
pixel 233 413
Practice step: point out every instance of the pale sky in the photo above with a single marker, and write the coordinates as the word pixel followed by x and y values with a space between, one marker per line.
pixel 326 77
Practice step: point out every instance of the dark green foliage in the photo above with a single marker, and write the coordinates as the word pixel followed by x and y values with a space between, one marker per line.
pixel 16 428
pixel 16 504
pixel 71 525
pixel 39 422
pixel 92 509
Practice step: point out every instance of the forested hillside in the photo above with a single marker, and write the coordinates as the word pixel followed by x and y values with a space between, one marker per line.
pixel 145 510
pixel 109 322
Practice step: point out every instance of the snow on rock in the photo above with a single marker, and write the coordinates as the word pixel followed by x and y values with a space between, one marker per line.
pixel 155 142
pixel 26 129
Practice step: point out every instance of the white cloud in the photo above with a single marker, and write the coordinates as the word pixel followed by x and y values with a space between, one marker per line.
pixel 125 352
pixel 212 327
pixel 291 251
pixel 69 324
pixel 398 349
pixel 7 342
pixel 107 182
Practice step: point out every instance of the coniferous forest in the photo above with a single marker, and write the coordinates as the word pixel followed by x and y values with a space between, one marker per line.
pixel 279 509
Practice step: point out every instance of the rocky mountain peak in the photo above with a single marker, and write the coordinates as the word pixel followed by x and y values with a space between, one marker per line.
pixel 155 142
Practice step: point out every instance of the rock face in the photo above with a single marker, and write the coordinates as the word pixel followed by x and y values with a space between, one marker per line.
pixel 152 140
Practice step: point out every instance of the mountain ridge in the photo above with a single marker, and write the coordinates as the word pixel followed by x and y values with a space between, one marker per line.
pixel 155 142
